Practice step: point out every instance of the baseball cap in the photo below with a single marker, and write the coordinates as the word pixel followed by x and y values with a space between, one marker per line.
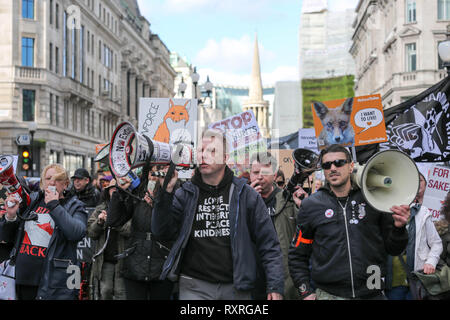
pixel 81 173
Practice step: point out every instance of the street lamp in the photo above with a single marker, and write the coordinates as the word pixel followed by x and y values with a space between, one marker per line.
pixel 195 77
pixel 182 87
pixel 444 51
pixel 208 86
pixel 32 126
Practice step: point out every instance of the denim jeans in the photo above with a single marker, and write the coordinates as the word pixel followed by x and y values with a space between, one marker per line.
pixel 399 293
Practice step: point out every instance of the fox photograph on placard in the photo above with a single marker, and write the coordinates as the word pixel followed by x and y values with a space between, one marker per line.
pixel 349 122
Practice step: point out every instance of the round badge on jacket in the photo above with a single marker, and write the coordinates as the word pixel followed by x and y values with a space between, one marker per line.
pixel 329 213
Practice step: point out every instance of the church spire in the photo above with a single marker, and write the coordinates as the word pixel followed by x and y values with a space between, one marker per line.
pixel 255 101
pixel 255 91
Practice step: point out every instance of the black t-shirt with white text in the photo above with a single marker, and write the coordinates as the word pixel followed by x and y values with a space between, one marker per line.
pixel 208 252
pixel 33 248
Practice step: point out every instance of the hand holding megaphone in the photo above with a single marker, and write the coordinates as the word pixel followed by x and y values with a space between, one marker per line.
pixel 172 182
pixel 299 195
pixel 400 215
pixel 124 182
pixel 12 206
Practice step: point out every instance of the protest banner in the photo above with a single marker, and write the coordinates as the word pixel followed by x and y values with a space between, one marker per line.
pixel 349 122
pixel 244 139
pixel 307 139
pixel 285 161
pixel 438 186
pixel 169 120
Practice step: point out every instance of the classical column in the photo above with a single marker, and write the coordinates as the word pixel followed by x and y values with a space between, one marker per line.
pixel 138 93
pixel 133 94
pixel 123 87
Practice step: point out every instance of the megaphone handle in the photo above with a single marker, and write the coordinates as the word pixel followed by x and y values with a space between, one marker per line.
pixel 172 167
pixel 169 175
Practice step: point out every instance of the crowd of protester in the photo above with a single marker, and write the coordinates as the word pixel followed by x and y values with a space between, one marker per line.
pixel 219 236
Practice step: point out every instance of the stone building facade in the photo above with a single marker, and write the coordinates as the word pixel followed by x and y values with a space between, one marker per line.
pixel 395 47
pixel 77 68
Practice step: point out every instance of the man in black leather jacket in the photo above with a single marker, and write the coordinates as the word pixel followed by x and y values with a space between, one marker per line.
pixel 343 237
pixel 84 189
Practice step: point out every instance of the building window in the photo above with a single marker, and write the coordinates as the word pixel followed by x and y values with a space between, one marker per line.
pixel 50 58
pixel 57 110
pixel 72 162
pixel 51 11
pixel 57 16
pixel 411 57
pixel 443 9
pixel 28 52
pixel 28 9
pixel 28 101
pixel 74 53
pixel 92 45
pixel 82 31
pixel 100 50
pixel 88 42
pixel 53 157
pixel 51 108
pixel 65 43
pixel 56 59
pixel 410 11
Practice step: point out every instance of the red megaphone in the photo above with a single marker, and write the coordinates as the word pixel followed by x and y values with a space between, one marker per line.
pixel 9 180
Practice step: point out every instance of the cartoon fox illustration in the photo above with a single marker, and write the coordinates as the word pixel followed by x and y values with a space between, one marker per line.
pixel 176 113
pixel 337 128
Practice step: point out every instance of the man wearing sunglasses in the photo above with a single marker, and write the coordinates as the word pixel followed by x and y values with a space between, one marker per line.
pixel 346 240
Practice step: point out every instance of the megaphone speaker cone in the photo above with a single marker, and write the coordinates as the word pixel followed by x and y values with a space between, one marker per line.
pixel 388 178
pixel 129 150
pixel 9 180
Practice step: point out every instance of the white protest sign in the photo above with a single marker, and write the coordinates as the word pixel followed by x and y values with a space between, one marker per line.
pixel 437 188
pixel 243 136
pixel 169 120
pixel 307 139
pixel 368 118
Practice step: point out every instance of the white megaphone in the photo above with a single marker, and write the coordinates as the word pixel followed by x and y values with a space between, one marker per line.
pixel 388 178
pixel 129 150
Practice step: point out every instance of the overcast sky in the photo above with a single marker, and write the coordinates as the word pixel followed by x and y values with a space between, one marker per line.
pixel 217 36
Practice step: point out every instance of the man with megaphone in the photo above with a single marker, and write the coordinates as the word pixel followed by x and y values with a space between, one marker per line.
pixel 343 236
pixel 221 225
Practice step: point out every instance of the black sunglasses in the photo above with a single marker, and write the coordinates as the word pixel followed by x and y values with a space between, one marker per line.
pixel 337 163
pixel 280 183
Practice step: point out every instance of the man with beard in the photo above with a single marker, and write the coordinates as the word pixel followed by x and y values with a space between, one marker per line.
pixel 343 237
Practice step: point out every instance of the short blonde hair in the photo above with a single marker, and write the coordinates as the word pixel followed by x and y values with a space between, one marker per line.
pixel 61 173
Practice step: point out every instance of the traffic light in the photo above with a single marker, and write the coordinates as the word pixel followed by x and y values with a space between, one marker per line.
pixel 26 159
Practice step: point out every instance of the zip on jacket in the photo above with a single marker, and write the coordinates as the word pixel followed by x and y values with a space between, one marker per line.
pixel 344 208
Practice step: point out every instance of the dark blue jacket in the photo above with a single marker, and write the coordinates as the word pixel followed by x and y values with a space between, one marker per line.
pixel 70 227
pixel 251 233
